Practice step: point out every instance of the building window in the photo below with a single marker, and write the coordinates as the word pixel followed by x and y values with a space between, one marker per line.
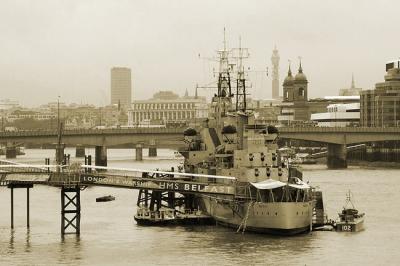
pixel 301 92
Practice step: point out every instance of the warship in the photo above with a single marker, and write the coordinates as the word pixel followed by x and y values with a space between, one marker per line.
pixel 231 147
pixel 270 195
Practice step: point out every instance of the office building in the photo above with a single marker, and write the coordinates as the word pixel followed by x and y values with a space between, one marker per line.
pixel 121 87
pixel 381 107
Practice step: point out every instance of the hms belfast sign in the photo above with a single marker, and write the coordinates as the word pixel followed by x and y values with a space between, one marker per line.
pixel 157 184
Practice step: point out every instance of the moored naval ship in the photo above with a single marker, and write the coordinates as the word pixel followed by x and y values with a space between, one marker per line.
pixel 270 196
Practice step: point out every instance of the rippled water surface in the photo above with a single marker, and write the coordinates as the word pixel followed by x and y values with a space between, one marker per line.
pixel 109 235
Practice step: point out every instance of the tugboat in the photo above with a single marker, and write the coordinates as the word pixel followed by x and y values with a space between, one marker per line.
pixel 349 219
pixel 270 195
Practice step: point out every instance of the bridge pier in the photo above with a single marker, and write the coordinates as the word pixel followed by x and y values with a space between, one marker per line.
pixel 337 156
pixel 80 152
pixel 11 152
pixel 100 156
pixel 139 152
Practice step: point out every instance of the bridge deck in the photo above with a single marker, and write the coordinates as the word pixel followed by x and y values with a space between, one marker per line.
pixel 173 137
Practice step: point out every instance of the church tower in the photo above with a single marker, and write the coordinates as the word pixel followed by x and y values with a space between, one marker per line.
pixel 300 86
pixel 288 87
pixel 275 73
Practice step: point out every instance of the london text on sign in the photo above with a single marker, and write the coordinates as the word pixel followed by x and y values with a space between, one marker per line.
pixel 157 184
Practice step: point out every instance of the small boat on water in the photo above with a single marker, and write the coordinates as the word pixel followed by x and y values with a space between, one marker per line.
pixel 350 220
pixel 105 198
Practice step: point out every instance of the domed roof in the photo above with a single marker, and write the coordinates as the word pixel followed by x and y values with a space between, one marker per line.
pixel 289 78
pixel 300 76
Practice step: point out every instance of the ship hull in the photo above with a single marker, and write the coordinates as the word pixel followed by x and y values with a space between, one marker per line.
pixel 350 226
pixel 280 218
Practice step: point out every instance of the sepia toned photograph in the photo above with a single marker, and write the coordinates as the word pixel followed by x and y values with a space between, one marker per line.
pixel 187 132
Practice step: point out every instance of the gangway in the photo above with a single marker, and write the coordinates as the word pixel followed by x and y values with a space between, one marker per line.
pixel 74 178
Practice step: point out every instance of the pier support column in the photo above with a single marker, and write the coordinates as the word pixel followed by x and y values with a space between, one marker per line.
pixel 337 156
pixel 100 156
pixel 12 207
pixel 70 210
pixel 80 152
pixel 20 185
pixel 139 152
pixel 27 208
pixel 152 148
pixel 11 152
pixel 60 153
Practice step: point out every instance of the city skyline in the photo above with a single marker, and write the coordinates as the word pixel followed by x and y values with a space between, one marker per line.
pixel 66 48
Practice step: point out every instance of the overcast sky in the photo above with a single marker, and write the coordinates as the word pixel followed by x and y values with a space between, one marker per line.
pixel 50 48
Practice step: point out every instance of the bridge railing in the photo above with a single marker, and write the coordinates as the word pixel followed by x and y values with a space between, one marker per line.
pixel 29 133
pixel 340 129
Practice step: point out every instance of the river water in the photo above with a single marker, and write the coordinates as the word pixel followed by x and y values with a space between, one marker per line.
pixel 110 236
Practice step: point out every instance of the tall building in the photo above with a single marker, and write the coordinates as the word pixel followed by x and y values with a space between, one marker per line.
pixel 381 107
pixel 275 74
pixel 121 87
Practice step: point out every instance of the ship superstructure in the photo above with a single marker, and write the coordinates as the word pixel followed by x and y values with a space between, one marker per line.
pixel 270 195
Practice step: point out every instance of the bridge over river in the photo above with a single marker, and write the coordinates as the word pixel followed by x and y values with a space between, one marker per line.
pixel 336 139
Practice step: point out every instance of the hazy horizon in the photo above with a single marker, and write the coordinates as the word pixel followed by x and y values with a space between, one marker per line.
pixel 67 48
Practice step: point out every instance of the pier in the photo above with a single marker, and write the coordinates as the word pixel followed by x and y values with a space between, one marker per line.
pixel 72 180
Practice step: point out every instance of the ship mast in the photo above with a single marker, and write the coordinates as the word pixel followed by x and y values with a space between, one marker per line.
pixel 224 79
pixel 241 81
